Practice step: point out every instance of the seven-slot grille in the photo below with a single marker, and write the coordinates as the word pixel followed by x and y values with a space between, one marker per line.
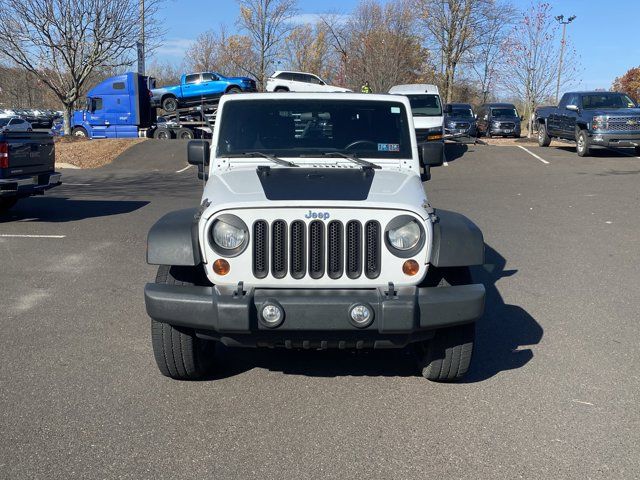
pixel 463 125
pixel 316 249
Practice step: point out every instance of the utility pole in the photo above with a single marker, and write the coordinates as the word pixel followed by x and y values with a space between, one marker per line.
pixel 561 20
pixel 141 41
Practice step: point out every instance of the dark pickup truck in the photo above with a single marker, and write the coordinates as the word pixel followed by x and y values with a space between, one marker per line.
pixel 27 166
pixel 591 119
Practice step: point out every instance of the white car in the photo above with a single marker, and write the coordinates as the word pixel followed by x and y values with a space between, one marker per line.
pixel 314 231
pixel 14 124
pixel 426 108
pixel 285 81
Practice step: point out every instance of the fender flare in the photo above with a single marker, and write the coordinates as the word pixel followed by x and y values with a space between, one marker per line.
pixel 173 240
pixel 457 241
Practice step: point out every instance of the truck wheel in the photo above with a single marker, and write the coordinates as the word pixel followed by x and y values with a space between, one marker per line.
pixel 179 353
pixel 170 104
pixel 281 89
pixel 582 143
pixel 163 133
pixel 79 132
pixel 234 90
pixel 7 203
pixel 184 134
pixel 447 356
pixel 543 137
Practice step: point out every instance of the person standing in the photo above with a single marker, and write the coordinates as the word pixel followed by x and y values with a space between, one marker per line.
pixel 366 88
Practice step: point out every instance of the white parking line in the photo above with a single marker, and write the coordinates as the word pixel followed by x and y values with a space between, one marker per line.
pixel 11 235
pixel 533 155
pixel 184 169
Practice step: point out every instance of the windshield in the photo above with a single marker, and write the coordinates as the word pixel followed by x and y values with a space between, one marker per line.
pixel 425 105
pixel 4 121
pixel 606 100
pixel 295 128
pixel 461 112
pixel 504 112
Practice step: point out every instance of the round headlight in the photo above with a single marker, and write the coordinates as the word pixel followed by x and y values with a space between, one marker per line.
pixel 406 236
pixel 229 234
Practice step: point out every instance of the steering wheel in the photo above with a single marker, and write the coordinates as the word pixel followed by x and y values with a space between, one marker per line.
pixel 357 142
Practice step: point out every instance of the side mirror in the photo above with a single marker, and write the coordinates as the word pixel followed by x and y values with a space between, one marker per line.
pixel 573 108
pixel 198 154
pixel 431 154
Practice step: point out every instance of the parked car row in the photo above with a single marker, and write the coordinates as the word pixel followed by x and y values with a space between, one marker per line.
pixel 38 118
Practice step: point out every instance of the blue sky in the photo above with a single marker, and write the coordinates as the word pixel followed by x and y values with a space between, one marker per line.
pixel 605 34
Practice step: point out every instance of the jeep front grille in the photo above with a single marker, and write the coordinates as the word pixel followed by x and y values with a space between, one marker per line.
pixel 317 249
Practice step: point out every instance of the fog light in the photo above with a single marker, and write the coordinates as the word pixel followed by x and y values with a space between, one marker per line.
pixel 410 267
pixel 221 267
pixel 272 315
pixel 361 315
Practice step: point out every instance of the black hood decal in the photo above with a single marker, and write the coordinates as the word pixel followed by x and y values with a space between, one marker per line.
pixel 316 183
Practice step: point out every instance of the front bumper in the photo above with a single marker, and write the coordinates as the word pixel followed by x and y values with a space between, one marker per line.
pixel 25 186
pixel 315 318
pixel 505 131
pixel 615 139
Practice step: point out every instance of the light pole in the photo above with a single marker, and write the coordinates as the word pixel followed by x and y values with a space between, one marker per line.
pixel 561 20
pixel 141 41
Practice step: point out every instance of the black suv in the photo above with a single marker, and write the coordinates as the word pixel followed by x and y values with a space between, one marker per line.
pixel 498 119
pixel 459 120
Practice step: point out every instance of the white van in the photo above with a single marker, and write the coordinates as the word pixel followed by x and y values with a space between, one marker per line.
pixel 426 109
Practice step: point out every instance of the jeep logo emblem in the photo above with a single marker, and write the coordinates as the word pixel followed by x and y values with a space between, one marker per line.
pixel 319 215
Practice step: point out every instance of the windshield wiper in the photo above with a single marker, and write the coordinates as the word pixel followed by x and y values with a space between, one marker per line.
pixel 355 159
pixel 268 156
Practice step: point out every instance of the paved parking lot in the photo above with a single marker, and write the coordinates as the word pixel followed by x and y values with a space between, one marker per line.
pixel 553 390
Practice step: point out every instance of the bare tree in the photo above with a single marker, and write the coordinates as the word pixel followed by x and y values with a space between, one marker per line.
pixel 453 26
pixel 202 55
pixel 487 59
pixel 62 42
pixel 267 23
pixel 532 53
pixel 309 49
pixel 382 45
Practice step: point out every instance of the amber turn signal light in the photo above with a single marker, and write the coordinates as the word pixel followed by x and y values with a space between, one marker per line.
pixel 221 267
pixel 410 267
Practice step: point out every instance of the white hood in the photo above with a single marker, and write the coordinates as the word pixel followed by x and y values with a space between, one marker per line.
pixel 315 187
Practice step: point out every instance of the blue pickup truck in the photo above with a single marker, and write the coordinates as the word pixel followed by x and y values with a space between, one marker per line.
pixel 197 88
pixel 591 119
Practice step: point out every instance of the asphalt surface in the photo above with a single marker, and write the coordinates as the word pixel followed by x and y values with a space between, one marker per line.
pixel 553 390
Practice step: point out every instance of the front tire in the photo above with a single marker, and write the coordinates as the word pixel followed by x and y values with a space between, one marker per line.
pixel 543 136
pixel 447 356
pixel 79 132
pixel 582 144
pixel 184 134
pixel 234 90
pixel 170 104
pixel 178 352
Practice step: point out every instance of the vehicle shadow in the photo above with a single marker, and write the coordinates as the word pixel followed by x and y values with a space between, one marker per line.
pixel 453 151
pixel 503 329
pixel 62 209
pixel 500 334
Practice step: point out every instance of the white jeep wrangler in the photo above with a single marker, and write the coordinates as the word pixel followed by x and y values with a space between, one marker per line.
pixel 314 232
